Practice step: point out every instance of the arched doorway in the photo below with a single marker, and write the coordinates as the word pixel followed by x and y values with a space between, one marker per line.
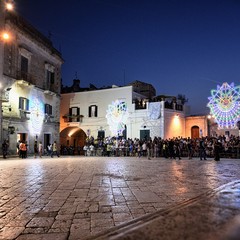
pixel 195 132
pixel 72 140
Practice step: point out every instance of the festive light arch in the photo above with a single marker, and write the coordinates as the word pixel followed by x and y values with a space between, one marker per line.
pixel 224 105
pixel 117 115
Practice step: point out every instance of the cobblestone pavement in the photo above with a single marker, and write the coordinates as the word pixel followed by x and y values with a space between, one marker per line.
pixel 70 198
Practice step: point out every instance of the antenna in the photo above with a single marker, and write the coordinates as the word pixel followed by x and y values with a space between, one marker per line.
pixel 124 77
pixel 76 75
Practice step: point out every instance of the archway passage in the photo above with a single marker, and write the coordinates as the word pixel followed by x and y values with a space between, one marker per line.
pixel 72 140
pixel 195 132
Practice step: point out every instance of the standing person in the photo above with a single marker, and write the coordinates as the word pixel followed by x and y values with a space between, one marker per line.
pixel 23 149
pixel 5 148
pixel 18 150
pixel 109 149
pixel 202 149
pixel 49 149
pixel 35 149
pixel 177 151
pixel 144 149
pixel 91 149
pixel 40 149
pixel 85 149
pixel 54 149
pixel 139 149
pixel 217 150
pixel 171 149
pixel 165 149
pixel 149 149
pixel 190 148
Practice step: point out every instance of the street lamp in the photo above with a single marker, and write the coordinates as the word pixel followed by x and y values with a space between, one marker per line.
pixel 9 6
pixel 5 36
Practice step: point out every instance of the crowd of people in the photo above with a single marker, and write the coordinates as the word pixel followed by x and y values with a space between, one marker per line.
pixel 38 149
pixel 173 148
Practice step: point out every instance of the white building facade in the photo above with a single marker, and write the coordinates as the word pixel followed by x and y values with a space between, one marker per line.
pixel 113 112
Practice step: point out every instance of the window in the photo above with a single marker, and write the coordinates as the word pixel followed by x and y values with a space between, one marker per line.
pixel 23 104
pixel 50 77
pixel 74 114
pixel 24 64
pixel 93 111
pixel 48 109
pixel 24 68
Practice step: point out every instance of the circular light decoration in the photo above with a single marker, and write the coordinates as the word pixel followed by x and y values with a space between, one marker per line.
pixel 224 105
pixel 117 115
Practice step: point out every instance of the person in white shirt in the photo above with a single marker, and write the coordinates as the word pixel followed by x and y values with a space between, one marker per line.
pixel 54 149
pixel 40 149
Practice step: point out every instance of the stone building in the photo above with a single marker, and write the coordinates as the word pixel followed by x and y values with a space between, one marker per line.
pixel 145 89
pixel 31 82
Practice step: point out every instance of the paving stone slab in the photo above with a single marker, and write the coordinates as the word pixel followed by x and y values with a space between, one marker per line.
pixel 196 219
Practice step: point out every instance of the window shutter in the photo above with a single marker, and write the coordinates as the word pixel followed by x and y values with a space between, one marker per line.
pixel 52 77
pixel 89 112
pixel 96 111
pixel 24 64
pixel 27 104
pixel 70 114
pixel 45 108
pixel 20 103
pixel 50 109
pixel 78 113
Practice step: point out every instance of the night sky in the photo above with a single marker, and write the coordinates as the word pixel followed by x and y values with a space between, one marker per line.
pixel 179 46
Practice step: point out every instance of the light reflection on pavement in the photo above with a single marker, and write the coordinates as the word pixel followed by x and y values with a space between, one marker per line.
pixel 79 197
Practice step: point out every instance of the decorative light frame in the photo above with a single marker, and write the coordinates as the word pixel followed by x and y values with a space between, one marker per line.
pixel 117 116
pixel 224 105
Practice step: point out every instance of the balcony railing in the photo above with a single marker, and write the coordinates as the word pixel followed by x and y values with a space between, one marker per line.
pixel 140 104
pixel 27 77
pixel 48 118
pixel 73 118
pixel 24 114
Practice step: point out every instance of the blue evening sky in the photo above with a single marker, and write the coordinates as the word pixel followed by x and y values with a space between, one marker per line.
pixel 179 46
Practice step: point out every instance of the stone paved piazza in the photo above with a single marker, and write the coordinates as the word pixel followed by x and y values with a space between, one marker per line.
pixel 70 198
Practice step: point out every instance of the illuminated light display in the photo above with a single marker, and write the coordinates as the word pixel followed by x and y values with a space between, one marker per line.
pixel 224 105
pixel 117 116
pixel 36 108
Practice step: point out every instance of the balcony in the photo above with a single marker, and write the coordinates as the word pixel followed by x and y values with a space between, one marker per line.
pixel 140 104
pixel 50 93
pixel 25 78
pixel 24 114
pixel 173 105
pixel 72 118
pixel 48 118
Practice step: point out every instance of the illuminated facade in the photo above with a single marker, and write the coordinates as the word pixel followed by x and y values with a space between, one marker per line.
pixel 116 111
pixel 31 78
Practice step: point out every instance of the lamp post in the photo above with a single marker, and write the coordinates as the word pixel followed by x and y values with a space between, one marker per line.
pixel 209 130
